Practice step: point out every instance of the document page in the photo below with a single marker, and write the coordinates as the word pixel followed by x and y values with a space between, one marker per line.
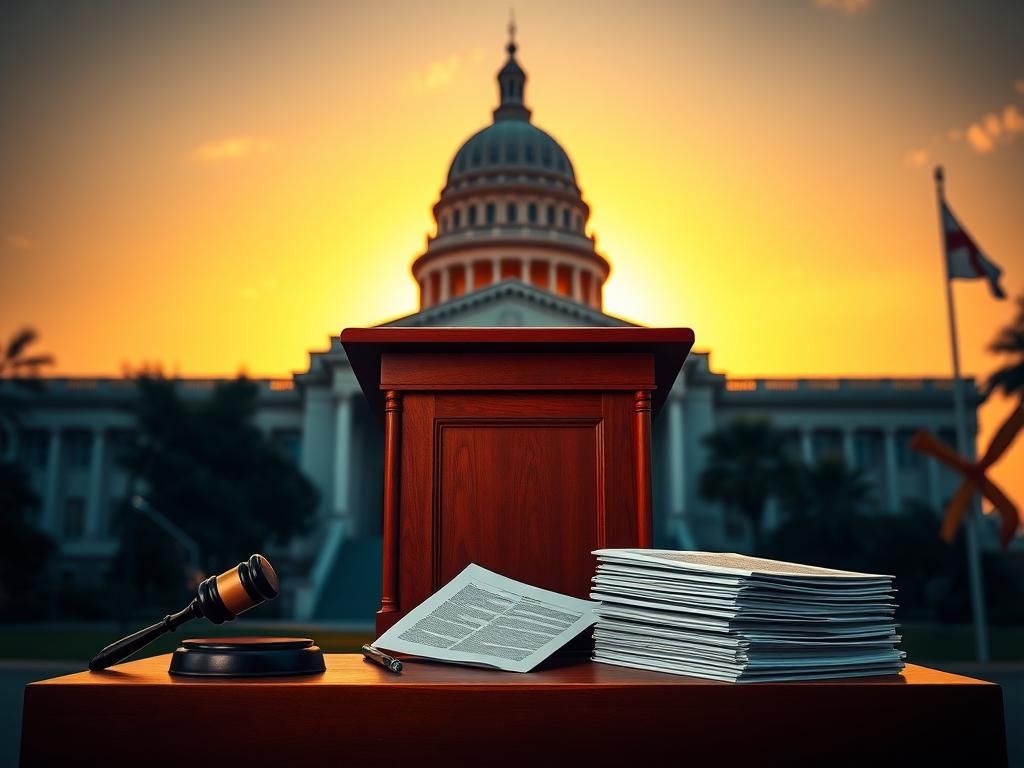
pixel 483 618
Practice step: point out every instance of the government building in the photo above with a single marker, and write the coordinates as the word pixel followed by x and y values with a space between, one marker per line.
pixel 511 248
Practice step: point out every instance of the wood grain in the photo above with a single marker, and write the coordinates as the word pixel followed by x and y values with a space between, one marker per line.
pixel 590 714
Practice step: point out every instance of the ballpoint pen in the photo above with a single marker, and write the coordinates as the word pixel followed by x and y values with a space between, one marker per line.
pixel 388 662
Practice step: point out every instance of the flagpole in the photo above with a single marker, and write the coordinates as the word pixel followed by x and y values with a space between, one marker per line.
pixel 974 572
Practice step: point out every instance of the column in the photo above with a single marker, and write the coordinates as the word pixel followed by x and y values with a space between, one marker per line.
pixel 676 459
pixel 848 452
pixel 342 455
pixel 807 446
pixel 527 274
pixel 495 271
pixel 51 512
pixel 317 443
pixel 444 285
pixel 577 294
pixel 470 275
pixel 892 471
pixel 94 502
pixel 552 276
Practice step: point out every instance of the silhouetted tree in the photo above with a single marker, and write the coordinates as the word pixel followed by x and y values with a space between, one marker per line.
pixel 823 506
pixel 24 549
pixel 747 465
pixel 21 368
pixel 205 466
pixel 1010 342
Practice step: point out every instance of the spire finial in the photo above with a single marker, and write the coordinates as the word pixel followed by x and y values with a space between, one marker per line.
pixel 511 47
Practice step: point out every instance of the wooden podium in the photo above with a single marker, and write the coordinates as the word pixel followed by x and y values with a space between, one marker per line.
pixel 520 449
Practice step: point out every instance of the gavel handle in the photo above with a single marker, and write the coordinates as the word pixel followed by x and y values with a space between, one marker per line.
pixel 126 646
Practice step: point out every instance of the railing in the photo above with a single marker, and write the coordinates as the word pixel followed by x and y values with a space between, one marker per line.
pixel 741 387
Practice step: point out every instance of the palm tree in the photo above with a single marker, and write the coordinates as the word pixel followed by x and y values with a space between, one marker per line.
pixel 748 463
pixel 15 363
pixel 1010 342
pixel 22 369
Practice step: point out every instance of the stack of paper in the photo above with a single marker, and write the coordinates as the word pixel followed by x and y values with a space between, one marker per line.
pixel 741 619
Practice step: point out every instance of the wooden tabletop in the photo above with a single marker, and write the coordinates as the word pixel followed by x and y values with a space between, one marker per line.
pixel 583 713
pixel 345 669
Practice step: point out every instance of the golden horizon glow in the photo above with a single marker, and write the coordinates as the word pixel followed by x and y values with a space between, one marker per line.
pixel 217 193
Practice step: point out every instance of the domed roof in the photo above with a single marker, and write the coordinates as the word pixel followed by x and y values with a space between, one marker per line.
pixel 511 144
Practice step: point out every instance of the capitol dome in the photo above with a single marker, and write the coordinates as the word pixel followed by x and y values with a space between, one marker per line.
pixel 511 145
pixel 511 209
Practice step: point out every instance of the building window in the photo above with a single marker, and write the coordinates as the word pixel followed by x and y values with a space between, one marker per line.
pixel 490 212
pixel 531 213
pixel 551 215
pixel 540 274
pixel 458 218
pixel 483 273
pixel 529 153
pixel 545 157
pixel 511 213
pixel 34 448
pixel 511 268
pixel 492 154
pixel 74 518
pixel 475 159
pixel 867 449
pixel 906 458
pixel 563 279
pixel 456 281
pixel 78 448
pixel 471 215
pixel 577 223
pixel 586 282
pixel 512 153
pixel 565 218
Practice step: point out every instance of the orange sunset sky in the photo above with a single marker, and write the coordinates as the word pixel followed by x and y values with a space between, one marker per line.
pixel 218 187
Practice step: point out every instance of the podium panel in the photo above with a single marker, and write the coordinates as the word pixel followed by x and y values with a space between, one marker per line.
pixel 521 450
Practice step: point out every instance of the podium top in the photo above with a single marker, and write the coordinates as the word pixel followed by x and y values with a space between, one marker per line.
pixel 366 346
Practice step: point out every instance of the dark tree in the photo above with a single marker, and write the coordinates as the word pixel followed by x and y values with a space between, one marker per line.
pixel 824 508
pixel 748 464
pixel 20 367
pixel 208 469
pixel 24 549
pixel 1010 342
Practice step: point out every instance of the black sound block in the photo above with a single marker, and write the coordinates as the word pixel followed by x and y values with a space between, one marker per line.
pixel 247 657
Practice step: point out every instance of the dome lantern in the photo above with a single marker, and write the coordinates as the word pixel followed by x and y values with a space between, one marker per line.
pixel 511 84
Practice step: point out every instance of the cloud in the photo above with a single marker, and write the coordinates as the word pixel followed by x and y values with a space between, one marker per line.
pixel 850 7
pixel 436 75
pixel 916 158
pixel 232 148
pixel 985 135
pixel 19 241
pixel 994 129
pixel 979 138
pixel 1013 120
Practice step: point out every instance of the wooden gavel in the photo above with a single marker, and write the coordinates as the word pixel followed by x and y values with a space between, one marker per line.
pixel 220 598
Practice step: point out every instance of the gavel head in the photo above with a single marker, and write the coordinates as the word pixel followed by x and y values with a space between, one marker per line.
pixel 221 598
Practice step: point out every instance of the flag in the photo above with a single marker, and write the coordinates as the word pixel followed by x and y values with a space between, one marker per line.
pixel 963 256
